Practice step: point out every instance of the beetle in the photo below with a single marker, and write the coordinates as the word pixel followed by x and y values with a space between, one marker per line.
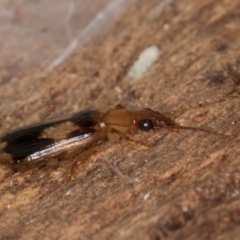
pixel 46 143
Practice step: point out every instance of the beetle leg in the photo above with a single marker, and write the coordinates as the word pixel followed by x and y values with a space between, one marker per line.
pixel 25 167
pixel 84 155
pixel 8 176
pixel 133 141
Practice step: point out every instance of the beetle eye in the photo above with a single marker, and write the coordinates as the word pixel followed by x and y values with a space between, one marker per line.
pixel 145 124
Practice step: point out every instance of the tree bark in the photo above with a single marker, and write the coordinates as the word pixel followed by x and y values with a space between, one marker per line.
pixel 187 185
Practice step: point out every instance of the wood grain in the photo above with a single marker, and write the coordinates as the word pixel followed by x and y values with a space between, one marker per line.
pixel 187 186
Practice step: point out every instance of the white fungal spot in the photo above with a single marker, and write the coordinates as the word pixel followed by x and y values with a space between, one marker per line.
pixel 145 60
pixel 146 196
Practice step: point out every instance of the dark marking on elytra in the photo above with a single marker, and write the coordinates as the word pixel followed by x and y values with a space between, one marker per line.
pixel 82 132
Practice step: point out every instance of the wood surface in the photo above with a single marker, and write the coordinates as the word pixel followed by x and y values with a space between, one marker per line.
pixel 187 185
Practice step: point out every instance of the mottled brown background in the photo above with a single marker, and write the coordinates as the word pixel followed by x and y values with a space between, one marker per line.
pixel 187 186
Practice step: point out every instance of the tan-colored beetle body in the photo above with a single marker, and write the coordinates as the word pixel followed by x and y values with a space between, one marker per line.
pixel 46 142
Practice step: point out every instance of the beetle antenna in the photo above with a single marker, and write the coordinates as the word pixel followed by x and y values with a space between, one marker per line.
pixel 199 129
pixel 202 103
